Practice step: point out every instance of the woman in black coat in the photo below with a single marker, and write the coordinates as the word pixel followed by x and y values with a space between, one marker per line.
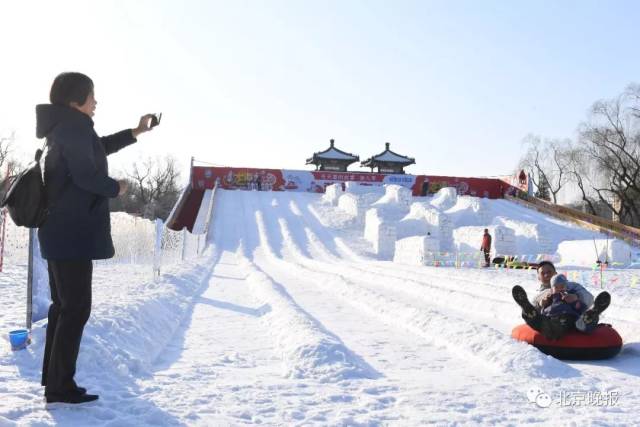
pixel 77 229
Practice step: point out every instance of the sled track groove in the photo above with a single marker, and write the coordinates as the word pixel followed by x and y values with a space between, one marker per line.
pixel 320 354
pixel 469 340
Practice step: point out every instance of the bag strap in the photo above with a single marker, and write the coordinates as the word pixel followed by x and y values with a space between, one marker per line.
pixel 66 182
pixel 40 151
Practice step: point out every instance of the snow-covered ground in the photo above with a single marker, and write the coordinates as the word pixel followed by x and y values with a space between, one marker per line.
pixel 290 319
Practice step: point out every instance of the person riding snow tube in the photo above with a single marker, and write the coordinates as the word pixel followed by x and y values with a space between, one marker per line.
pixel 555 318
pixel 603 343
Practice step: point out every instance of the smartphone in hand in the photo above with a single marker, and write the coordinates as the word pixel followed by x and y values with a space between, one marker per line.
pixel 155 120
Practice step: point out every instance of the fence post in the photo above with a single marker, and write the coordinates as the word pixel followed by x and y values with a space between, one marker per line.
pixel 4 235
pixel 184 243
pixel 157 249
pixel 32 232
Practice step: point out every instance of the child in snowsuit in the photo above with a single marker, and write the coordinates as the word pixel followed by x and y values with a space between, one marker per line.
pixel 557 304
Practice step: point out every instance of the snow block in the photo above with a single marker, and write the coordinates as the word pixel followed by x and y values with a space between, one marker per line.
pixel 469 210
pixel 332 193
pixel 531 238
pixel 356 205
pixel 382 234
pixel 396 194
pixel 583 252
pixel 357 188
pixel 424 218
pixel 415 250
pixel 350 204
pixel 415 222
pixel 445 198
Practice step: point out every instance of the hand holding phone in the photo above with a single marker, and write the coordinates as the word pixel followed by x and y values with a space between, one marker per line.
pixel 155 120
pixel 147 122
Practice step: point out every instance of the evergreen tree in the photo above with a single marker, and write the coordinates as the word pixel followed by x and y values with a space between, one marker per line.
pixel 543 190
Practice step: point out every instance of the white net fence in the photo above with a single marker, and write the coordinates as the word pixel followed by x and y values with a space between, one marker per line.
pixel 143 249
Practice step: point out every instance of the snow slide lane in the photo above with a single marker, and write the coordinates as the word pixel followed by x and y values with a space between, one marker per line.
pixel 404 303
pixel 406 378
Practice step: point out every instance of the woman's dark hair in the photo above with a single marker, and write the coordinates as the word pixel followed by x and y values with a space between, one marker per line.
pixel 70 87
pixel 549 263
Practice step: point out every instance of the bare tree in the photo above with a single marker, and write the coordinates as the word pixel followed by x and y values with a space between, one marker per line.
pixel 153 188
pixel 546 162
pixel 611 137
pixel 9 167
pixel 579 171
pixel 5 148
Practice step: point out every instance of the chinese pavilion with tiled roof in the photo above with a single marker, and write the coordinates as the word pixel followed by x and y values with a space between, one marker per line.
pixel 332 159
pixel 388 161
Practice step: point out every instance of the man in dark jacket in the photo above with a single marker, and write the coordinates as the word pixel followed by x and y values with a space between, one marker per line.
pixel 556 327
pixel 485 247
pixel 77 228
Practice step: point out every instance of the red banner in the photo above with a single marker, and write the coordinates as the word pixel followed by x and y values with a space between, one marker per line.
pixel 479 187
pixel 237 178
pixel 203 177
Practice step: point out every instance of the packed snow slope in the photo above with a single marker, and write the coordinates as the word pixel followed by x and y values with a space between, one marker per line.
pixel 291 319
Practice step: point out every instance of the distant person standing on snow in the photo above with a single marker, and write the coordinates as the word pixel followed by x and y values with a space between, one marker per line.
pixel 486 247
pixel 77 229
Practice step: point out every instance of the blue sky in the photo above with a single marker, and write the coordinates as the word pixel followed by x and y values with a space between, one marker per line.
pixel 455 84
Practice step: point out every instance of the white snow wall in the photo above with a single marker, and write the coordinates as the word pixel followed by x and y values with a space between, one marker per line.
pixel 419 221
pixel 396 194
pixel 332 193
pixel 380 233
pixel 585 253
pixel 414 250
pixel 357 204
pixel 423 219
pixel 445 198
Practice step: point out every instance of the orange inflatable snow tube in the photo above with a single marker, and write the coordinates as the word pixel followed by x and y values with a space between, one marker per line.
pixel 603 343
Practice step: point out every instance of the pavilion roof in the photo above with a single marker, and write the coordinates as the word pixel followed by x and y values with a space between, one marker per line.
pixel 332 153
pixel 388 156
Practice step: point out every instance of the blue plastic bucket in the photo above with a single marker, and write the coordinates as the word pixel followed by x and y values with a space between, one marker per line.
pixel 18 338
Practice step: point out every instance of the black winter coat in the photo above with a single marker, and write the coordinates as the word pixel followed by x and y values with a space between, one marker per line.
pixel 78 186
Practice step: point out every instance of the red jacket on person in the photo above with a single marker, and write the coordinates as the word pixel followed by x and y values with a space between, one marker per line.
pixel 486 242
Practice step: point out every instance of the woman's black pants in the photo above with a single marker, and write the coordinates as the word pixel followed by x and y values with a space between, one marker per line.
pixel 70 284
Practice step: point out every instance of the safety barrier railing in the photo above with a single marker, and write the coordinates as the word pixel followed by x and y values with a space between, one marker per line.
pixel 629 234
pixel 142 248
pixel 476 259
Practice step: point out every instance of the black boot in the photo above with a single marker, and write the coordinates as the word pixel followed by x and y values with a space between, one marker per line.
pixel 73 398
pixel 79 390
pixel 599 305
pixel 520 296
